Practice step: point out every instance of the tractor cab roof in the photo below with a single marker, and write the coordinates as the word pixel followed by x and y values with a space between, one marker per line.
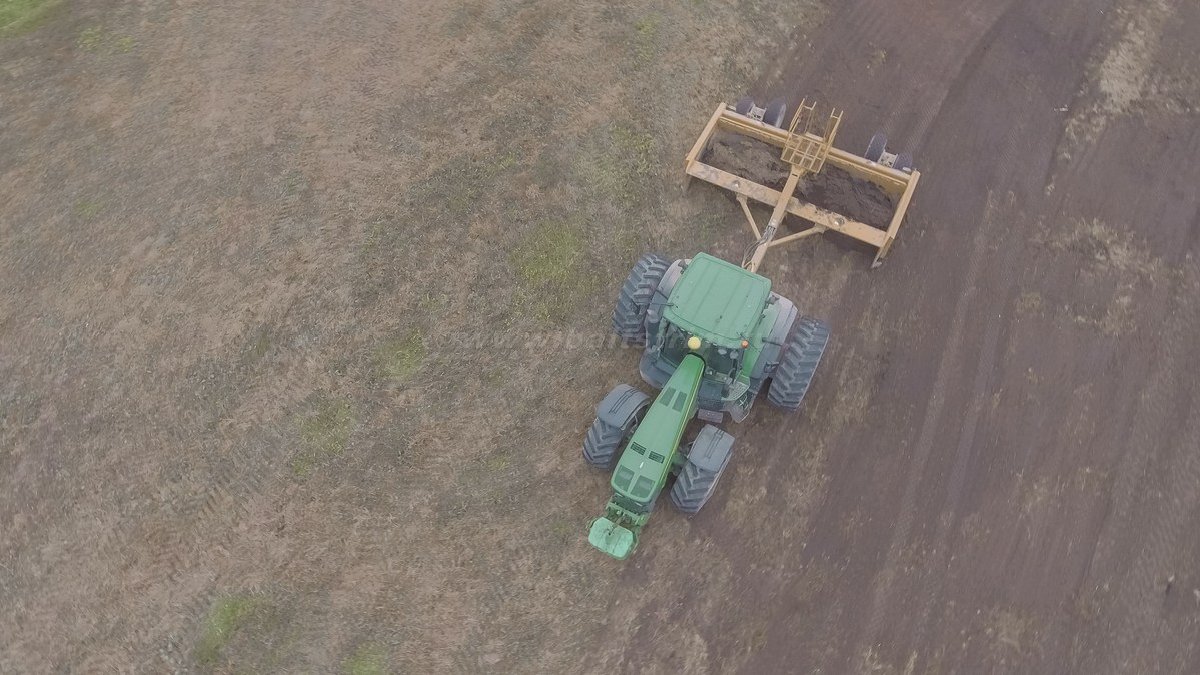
pixel 718 301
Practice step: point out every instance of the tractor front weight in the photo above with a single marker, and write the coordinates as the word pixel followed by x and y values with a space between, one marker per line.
pixel 616 532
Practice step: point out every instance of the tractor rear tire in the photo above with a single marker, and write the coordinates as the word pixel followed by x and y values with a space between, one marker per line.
pixel 904 162
pixel 743 105
pixel 775 113
pixel 876 147
pixel 629 316
pixel 694 487
pixel 801 356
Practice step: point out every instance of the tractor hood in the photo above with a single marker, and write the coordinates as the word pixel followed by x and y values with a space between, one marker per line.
pixel 718 301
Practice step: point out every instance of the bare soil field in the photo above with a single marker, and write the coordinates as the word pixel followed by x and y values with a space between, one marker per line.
pixel 304 312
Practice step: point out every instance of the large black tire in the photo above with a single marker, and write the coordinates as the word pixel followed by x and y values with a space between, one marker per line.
pixel 904 162
pixel 743 105
pixel 629 316
pixel 603 440
pixel 876 147
pixel 601 444
pixel 694 487
pixel 775 113
pixel 801 356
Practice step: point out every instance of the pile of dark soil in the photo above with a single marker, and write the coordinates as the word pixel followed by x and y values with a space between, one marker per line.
pixel 832 189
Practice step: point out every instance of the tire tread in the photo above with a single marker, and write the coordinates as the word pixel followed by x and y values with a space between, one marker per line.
pixel 693 488
pixel 601 444
pixel 796 368
pixel 629 316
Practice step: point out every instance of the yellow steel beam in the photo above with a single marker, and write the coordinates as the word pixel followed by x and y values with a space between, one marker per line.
pixel 749 216
pixel 897 218
pixel 704 136
pixel 815 229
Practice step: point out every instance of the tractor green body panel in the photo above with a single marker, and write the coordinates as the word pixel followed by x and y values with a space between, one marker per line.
pixel 616 532
pixel 750 354
pixel 718 301
pixel 649 457
pixel 611 538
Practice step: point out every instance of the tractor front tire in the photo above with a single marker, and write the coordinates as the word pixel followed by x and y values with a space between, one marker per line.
pixel 617 417
pixel 801 357
pixel 629 316
pixel 602 443
pixel 694 487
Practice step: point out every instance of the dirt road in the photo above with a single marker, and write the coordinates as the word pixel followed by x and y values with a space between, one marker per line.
pixel 303 317
pixel 1025 478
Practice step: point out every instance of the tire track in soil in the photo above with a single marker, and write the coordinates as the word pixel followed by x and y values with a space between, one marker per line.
pixel 994 310
pixel 255 468
pixel 1117 81
pixel 1150 510
pixel 1014 29
pixel 889 20
pixel 1165 484
pixel 221 508
pixel 967 450
pixel 251 468
pixel 857 60
pixel 882 587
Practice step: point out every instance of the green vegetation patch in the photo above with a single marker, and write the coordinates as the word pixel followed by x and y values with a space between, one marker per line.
pixel 414 237
pixel 368 659
pixel 261 346
pixel 324 434
pixel 647 44
pixel 21 15
pixel 618 166
pixel 638 148
pixel 90 38
pixel 549 265
pixel 98 39
pixel 229 614
pixel 460 189
pixel 87 208
pixel 399 359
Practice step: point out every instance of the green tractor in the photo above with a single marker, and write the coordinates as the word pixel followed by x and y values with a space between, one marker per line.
pixel 714 336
